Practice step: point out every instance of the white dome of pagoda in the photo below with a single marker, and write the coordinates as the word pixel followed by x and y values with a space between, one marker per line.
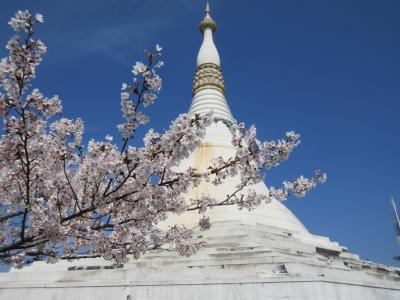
pixel 217 142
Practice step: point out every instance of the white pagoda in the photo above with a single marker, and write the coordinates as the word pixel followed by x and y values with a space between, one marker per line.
pixel 264 254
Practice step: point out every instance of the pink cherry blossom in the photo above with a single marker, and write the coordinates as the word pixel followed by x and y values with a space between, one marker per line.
pixel 64 199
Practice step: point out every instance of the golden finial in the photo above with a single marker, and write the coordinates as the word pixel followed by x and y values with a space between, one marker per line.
pixel 207 7
pixel 208 21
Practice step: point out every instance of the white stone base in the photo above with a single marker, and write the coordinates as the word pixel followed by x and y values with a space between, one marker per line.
pixel 239 262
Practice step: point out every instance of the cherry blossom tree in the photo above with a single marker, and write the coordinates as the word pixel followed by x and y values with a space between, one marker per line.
pixel 60 199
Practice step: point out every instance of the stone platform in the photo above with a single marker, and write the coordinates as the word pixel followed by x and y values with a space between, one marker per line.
pixel 240 261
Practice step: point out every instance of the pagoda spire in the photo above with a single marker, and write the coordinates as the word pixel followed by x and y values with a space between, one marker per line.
pixel 208 85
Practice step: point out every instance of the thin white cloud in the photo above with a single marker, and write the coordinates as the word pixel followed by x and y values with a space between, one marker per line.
pixel 116 41
pixel 115 31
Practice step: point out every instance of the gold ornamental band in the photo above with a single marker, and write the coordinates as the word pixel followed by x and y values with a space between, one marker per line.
pixel 208 76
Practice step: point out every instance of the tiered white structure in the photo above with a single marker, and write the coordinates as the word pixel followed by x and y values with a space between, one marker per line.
pixel 263 254
pixel 209 96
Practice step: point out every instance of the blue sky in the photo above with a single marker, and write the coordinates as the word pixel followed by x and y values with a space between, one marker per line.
pixel 326 69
